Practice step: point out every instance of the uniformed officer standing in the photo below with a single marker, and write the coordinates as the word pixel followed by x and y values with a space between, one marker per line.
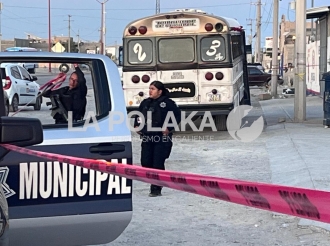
pixel 156 146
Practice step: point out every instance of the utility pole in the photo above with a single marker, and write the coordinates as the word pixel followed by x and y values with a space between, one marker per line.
pixel 102 39
pixel 78 42
pixel 0 27
pixel 49 36
pixel 275 50
pixel 300 63
pixel 258 29
pixel 250 24
pixel 69 40
pixel 157 6
pixel 312 28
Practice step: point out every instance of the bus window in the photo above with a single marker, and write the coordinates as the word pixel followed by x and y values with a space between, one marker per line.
pixel 213 48
pixel 140 51
pixel 236 46
pixel 176 50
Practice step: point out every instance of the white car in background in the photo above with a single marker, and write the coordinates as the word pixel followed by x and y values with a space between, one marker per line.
pixel 20 86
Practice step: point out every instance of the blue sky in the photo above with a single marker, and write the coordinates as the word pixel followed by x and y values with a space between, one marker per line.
pixel 20 17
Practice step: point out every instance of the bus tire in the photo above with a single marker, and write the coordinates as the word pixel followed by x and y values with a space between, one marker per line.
pixel 220 122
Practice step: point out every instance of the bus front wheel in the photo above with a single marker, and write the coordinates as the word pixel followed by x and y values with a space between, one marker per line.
pixel 220 122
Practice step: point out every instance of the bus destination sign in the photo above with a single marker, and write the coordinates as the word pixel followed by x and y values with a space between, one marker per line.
pixel 187 24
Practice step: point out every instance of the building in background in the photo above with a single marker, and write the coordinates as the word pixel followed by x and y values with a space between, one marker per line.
pixel 318 49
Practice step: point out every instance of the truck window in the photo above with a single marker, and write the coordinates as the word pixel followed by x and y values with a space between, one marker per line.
pixel 85 101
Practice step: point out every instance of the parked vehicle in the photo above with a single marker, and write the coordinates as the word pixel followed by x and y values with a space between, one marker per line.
pixel 260 78
pixel 31 67
pixel 20 86
pixel 258 65
pixel 56 203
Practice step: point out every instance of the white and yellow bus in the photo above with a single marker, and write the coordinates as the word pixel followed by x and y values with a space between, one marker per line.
pixel 199 57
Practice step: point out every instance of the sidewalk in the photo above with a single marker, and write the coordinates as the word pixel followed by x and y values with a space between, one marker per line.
pixel 298 152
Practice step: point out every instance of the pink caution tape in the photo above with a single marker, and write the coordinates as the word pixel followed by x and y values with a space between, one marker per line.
pixel 300 202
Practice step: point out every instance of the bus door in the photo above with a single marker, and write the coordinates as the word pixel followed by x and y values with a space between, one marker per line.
pixel 177 68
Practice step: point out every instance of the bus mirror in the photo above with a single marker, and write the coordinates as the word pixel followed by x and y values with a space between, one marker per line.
pixel 248 49
pixel 120 56
pixel 218 27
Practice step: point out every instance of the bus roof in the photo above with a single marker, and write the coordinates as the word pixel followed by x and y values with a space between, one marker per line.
pixel 183 14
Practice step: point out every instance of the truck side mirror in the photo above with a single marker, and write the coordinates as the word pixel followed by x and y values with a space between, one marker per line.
pixel 19 131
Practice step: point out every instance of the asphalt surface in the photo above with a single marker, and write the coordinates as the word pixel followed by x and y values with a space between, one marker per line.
pixel 286 153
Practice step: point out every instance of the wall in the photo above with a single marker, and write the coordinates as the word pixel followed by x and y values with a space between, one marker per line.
pixel 312 68
pixel 288 51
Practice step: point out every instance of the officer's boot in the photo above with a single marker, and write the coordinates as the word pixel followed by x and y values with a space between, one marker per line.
pixel 155 190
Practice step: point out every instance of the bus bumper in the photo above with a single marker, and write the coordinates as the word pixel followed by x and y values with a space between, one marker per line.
pixel 200 109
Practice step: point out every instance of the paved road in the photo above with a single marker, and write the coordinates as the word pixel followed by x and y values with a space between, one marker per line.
pixel 179 218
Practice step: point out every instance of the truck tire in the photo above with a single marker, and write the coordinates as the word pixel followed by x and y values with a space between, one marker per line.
pixel 4 219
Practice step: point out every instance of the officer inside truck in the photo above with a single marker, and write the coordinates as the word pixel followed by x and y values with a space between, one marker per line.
pixel 69 98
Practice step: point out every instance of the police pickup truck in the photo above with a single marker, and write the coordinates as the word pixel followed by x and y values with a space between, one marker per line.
pixel 54 203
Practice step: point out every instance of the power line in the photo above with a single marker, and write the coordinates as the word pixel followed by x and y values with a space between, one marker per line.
pixel 135 9
pixel 269 15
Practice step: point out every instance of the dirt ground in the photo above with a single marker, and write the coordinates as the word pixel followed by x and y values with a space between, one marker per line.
pixel 179 218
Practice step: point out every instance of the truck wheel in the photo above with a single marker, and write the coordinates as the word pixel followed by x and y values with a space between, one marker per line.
pixel 220 122
pixel 4 219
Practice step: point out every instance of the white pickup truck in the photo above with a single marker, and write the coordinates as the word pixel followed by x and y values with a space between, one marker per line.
pixel 54 203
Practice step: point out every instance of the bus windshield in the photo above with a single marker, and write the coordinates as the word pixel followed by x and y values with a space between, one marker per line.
pixel 176 50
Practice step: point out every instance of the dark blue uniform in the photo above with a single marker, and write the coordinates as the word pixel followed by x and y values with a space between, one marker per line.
pixel 156 147
pixel 73 100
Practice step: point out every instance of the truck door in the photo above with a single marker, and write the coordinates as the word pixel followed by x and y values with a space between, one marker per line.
pixel 56 203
